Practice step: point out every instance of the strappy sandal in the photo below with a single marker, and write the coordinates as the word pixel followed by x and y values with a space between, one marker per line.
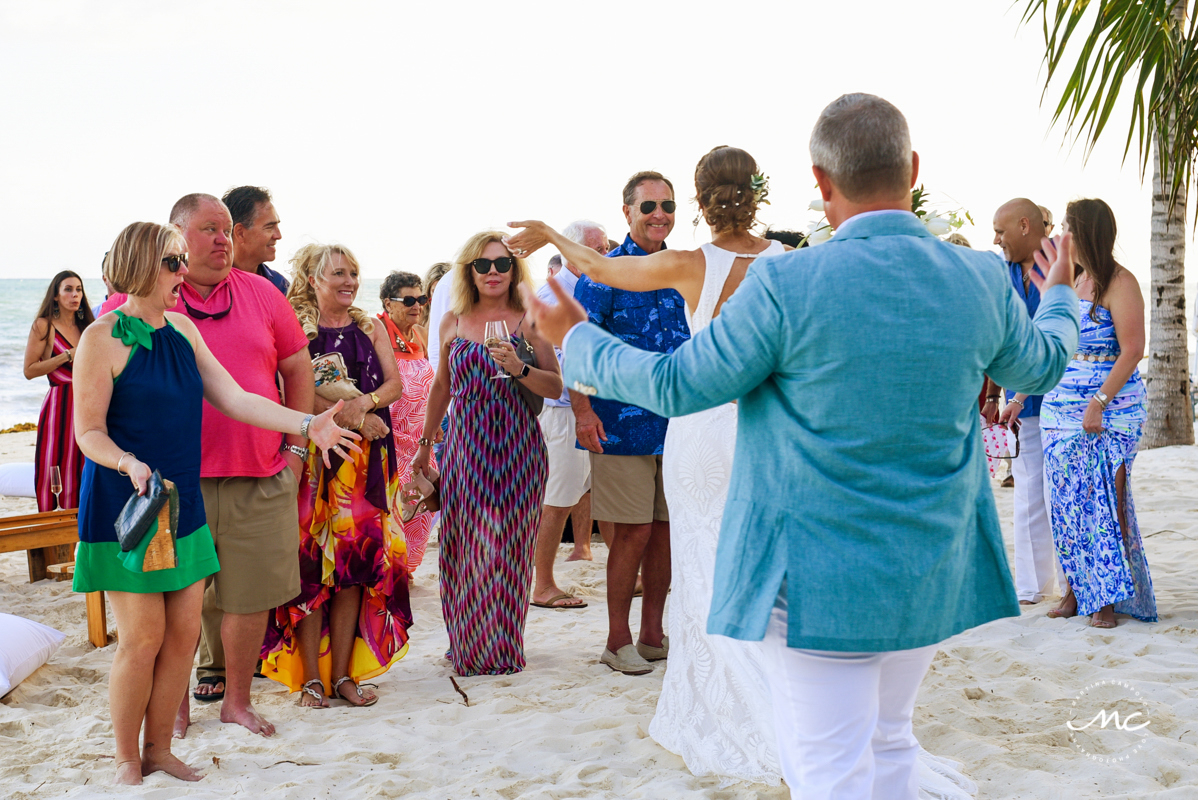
pixel 322 699
pixel 421 495
pixel 362 697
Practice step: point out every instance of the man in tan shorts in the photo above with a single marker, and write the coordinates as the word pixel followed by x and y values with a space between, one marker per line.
pixel 626 442
pixel 248 476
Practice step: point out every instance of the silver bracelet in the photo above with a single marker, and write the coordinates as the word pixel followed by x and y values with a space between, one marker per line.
pixel 1020 402
pixel 118 464
pixel 303 431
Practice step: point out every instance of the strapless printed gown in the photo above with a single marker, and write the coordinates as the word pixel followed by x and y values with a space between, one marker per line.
pixel 715 709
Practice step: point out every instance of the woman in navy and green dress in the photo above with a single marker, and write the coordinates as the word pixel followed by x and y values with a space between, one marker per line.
pixel 141 375
pixel 1092 422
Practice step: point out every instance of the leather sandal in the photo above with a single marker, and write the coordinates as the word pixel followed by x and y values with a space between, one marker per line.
pixel 421 495
pixel 365 702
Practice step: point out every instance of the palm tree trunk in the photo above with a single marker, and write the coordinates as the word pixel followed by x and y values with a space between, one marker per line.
pixel 1170 413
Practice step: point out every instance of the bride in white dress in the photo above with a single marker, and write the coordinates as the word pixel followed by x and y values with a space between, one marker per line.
pixel 714 709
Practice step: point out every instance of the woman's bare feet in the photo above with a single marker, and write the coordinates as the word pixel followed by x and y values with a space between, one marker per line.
pixel 247 717
pixel 166 762
pixel 128 773
pixel 581 553
pixel 1067 607
pixel 183 718
pixel 1103 618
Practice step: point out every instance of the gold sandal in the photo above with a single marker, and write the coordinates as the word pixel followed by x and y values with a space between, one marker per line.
pixel 421 495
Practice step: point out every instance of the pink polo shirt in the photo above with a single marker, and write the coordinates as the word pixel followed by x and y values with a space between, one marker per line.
pixel 259 331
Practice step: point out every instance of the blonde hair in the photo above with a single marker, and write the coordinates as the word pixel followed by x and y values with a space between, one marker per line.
pixel 465 293
pixel 310 262
pixel 133 262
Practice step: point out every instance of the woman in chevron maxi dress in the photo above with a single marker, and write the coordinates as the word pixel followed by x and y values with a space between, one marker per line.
pixel 493 475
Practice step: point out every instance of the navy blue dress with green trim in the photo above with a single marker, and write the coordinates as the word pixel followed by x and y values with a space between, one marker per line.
pixel 154 413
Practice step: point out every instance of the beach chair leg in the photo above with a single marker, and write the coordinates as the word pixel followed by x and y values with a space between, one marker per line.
pixel 97 620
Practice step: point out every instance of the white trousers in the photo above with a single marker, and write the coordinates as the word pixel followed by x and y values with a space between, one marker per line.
pixel 843 720
pixel 1035 554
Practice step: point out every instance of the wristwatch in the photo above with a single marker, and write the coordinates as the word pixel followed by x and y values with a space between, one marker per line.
pixel 523 373
pixel 374 398
pixel 294 449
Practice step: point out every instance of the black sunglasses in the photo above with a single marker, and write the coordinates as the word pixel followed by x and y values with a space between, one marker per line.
pixel 667 206
pixel 191 312
pixel 483 265
pixel 410 301
pixel 173 262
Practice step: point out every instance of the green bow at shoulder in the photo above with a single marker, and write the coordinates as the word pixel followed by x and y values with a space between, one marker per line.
pixel 133 332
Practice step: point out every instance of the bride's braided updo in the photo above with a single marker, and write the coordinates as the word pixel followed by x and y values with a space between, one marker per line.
pixel 724 191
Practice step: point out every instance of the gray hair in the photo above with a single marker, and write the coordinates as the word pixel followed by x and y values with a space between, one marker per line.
pixel 577 231
pixel 396 281
pixel 863 143
pixel 187 205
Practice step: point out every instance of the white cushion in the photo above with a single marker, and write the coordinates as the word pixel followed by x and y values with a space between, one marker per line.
pixel 16 480
pixel 24 646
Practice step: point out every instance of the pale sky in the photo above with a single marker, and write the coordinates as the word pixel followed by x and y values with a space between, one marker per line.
pixel 399 129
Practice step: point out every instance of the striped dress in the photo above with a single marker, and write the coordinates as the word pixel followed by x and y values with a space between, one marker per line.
pixel 56 437
pixel 492 485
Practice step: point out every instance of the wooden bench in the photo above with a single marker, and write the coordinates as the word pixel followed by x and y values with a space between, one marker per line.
pixel 37 534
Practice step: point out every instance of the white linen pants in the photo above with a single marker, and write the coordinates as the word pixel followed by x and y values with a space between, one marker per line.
pixel 1035 554
pixel 843 720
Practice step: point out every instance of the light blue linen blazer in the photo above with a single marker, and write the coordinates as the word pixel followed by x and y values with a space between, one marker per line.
pixel 859 472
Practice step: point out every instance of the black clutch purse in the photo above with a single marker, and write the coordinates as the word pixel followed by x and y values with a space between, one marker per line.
pixel 526 354
pixel 141 510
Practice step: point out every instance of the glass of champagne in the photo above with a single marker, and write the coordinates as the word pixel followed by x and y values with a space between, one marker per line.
pixel 493 334
pixel 56 484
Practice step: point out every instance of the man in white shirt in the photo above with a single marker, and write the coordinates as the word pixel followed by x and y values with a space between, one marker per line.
pixel 567 489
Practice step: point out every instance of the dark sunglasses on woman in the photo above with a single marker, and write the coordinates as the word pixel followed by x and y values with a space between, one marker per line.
pixel 410 301
pixel 174 262
pixel 667 206
pixel 483 265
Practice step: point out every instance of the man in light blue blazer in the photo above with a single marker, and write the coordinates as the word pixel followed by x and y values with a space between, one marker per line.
pixel 860 529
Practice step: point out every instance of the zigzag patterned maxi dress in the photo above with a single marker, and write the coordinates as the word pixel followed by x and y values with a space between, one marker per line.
pixel 492 485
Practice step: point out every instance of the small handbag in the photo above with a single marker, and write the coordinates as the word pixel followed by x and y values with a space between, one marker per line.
pixel 159 504
pixel 332 379
pixel 526 354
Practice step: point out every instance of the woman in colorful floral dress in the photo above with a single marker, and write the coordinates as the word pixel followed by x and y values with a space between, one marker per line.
pixel 1092 424
pixel 350 621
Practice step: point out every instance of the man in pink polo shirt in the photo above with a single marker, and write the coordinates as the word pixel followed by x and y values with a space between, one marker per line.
pixel 248 478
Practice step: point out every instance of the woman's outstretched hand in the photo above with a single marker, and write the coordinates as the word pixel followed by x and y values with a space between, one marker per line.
pixel 327 435
pixel 553 322
pixel 533 237
pixel 1055 263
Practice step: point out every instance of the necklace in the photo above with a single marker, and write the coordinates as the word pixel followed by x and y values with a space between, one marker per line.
pixel 401 344
pixel 340 331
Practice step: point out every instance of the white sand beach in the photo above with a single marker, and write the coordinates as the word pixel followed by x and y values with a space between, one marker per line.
pixel 996 699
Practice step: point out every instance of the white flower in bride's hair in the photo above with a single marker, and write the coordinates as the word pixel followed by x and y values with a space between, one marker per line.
pixel 937 226
pixel 816 205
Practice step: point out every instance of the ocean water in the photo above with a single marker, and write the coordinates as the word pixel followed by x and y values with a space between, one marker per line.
pixel 20 399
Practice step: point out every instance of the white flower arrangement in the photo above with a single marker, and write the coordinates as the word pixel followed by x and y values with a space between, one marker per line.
pixel 938 223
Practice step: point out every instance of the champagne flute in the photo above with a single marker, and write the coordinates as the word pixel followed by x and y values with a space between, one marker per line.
pixel 56 484
pixel 493 334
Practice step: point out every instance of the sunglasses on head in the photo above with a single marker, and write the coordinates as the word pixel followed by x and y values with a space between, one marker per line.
pixel 410 301
pixel 483 265
pixel 174 262
pixel 667 206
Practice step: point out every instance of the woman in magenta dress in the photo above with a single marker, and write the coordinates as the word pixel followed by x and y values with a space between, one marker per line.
pixel 350 620
pixel 404 303
pixel 50 351
pixel 493 478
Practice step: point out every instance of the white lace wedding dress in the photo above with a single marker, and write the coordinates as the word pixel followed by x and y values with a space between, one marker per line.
pixel 715 709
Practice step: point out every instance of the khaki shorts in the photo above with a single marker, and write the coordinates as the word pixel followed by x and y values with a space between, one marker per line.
pixel 255 526
pixel 569 468
pixel 627 489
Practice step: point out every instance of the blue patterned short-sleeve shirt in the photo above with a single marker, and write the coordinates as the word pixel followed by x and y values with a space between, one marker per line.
pixel 653 321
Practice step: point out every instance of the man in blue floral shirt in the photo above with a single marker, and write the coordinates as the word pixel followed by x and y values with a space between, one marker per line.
pixel 626 442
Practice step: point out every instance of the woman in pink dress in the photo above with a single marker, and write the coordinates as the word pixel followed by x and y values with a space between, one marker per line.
pixel 404 302
pixel 50 351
